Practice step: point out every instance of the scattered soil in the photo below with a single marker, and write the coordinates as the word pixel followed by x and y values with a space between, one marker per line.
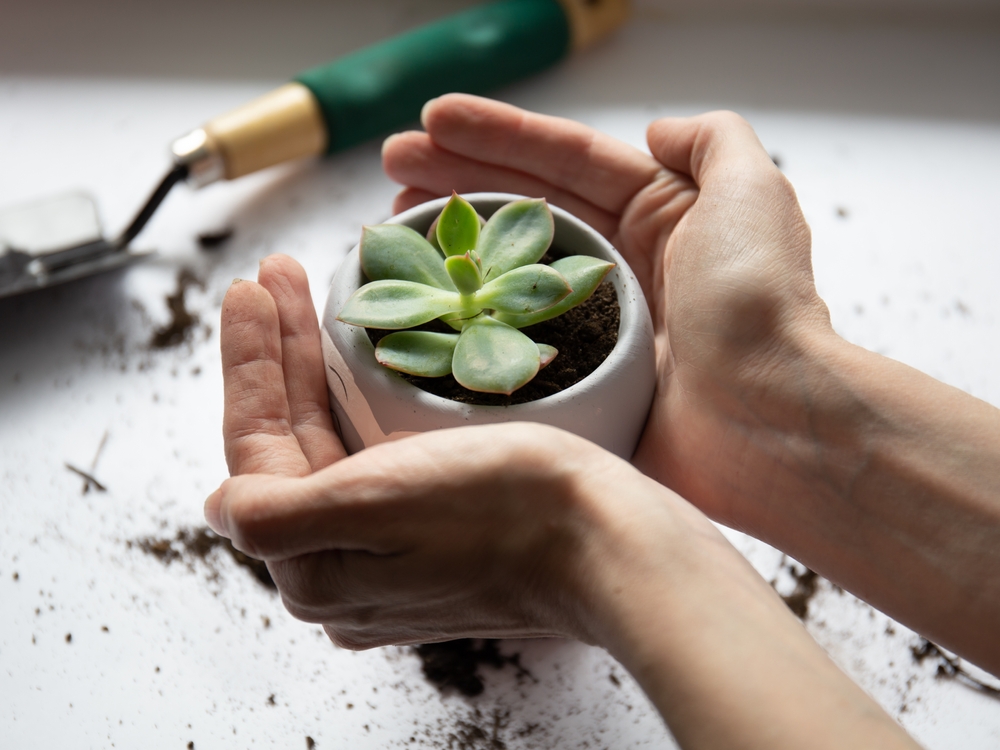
pixel 480 733
pixel 806 586
pixel 182 321
pixel 806 583
pixel 455 664
pixel 214 240
pixel 584 337
pixel 197 543
pixel 950 667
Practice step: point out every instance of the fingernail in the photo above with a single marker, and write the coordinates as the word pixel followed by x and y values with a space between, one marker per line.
pixel 423 112
pixel 236 281
pixel 213 513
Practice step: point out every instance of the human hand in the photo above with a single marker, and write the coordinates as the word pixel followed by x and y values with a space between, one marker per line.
pixel 520 530
pixel 712 230
pixel 277 416
pixel 499 531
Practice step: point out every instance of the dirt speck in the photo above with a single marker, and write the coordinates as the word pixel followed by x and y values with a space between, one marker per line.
pixel 455 664
pixel 69 638
pixel 182 321
pixel 806 585
pixel 214 240
pixel 310 743
pixel 842 212
pixel 197 543
pixel 950 667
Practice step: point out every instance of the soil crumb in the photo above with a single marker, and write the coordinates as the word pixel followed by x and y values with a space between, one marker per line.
pixel 310 743
pixel 455 664
pixel 481 733
pixel 197 543
pixel 182 321
pixel 806 586
pixel 214 240
pixel 950 667
pixel 584 337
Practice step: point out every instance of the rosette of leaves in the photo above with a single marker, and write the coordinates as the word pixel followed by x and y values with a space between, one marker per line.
pixel 483 279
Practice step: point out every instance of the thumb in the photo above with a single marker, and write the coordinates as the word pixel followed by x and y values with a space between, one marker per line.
pixel 710 148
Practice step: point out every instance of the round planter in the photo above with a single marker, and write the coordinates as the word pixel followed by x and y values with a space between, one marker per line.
pixel 372 404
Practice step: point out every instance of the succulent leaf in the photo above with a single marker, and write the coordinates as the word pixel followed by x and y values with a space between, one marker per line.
pixel 582 272
pixel 464 273
pixel 395 304
pixel 518 234
pixel 527 289
pixel 418 352
pixel 458 227
pixel 390 251
pixel 546 354
pixel 492 357
pixel 432 236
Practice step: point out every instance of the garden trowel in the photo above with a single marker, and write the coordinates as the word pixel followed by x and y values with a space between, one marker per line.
pixel 323 110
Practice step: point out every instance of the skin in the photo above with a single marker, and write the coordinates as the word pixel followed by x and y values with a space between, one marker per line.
pixel 873 474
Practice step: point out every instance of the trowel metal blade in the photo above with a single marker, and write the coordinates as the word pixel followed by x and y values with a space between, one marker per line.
pixel 54 240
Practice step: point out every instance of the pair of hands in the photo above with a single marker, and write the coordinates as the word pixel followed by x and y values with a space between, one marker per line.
pixel 505 531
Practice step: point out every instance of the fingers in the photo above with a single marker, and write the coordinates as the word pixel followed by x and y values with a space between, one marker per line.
pixel 302 360
pixel 412 159
pixel 565 154
pixel 273 518
pixel 710 146
pixel 257 425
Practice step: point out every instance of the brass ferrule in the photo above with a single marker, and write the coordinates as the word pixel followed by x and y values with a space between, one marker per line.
pixel 283 124
pixel 591 20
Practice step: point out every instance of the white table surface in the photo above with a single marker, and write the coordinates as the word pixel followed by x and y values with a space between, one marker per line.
pixel 890 133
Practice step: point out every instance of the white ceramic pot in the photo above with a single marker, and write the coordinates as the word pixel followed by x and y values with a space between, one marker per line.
pixel 373 404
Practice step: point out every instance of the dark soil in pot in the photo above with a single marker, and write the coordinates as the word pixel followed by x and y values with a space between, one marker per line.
pixel 584 337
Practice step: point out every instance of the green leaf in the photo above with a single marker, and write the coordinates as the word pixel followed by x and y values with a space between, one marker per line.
pixel 390 251
pixel 464 273
pixel 418 352
pixel 492 357
pixel 582 272
pixel 527 289
pixel 516 235
pixel 432 236
pixel 458 227
pixel 546 354
pixel 395 304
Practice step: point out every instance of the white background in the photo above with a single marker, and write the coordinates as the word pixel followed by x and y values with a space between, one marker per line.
pixel 885 116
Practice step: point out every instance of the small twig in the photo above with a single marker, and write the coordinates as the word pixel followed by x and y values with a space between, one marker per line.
pixel 100 449
pixel 88 478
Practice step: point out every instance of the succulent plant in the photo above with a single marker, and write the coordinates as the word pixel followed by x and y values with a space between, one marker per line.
pixel 483 279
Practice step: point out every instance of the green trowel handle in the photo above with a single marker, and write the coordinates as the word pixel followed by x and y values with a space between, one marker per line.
pixel 382 87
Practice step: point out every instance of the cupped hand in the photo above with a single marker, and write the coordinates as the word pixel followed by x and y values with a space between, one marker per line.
pixel 497 531
pixel 712 230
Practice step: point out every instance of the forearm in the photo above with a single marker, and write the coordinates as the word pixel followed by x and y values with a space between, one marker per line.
pixel 719 654
pixel 884 480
